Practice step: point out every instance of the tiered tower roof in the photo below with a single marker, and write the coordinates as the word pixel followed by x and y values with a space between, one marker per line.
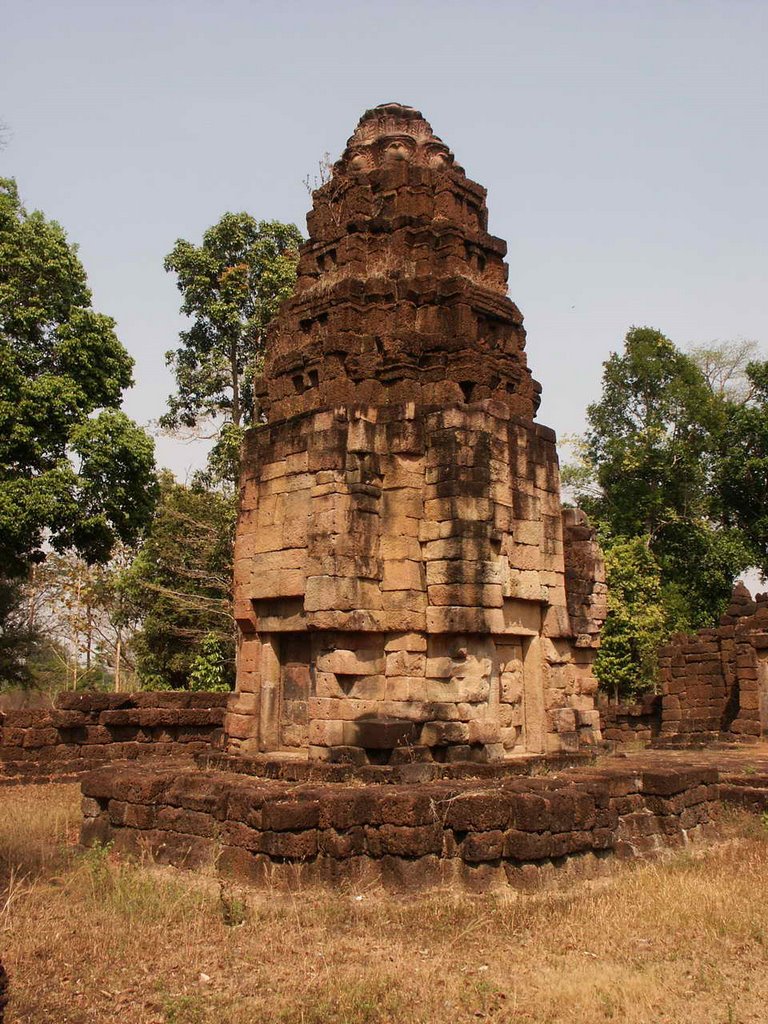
pixel 401 293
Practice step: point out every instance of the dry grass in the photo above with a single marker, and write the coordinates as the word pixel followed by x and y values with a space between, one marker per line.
pixel 87 939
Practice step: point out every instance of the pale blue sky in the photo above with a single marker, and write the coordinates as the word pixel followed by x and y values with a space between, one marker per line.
pixel 623 146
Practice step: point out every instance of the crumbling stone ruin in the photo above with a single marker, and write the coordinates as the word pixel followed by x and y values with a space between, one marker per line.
pixel 715 683
pixel 407 584
pixel 83 730
pixel 512 831
pixel 630 725
pixel 417 613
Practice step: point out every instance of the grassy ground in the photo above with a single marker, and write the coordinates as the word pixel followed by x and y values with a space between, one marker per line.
pixel 87 939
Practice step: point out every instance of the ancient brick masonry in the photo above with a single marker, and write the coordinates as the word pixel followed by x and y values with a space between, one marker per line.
pixel 406 586
pixel 715 683
pixel 84 730
pixel 632 725
pixel 510 831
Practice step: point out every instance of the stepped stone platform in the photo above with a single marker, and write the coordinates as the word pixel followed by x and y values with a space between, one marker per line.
pixel 298 769
pixel 485 828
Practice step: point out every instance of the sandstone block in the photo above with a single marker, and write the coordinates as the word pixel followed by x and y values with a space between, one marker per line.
pixel 400 548
pixel 241 726
pixel 404 471
pixel 464 571
pixel 367 688
pixel 402 575
pixel 362 662
pixel 326 733
pixel 244 704
pixel 278 583
pixel 406 642
pixel 405 688
pixel 453 619
pixel 405 602
pixel 563 720
pixel 512 684
pixel 402 526
pixel 403 502
pixel 484 731
pixel 465 595
pixel 450 509
pixel 437 734
pixel 405 663
pixel 456 547
pixel 340 594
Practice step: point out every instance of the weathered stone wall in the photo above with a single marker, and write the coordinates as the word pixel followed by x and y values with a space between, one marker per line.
pixel 423 551
pixel 83 730
pixel 403 577
pixel 715 683
pixel 470 833
pixel 631 726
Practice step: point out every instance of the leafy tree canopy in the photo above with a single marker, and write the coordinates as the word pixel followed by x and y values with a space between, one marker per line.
pixel 17 633
pixel 674 470
pixel 650 436
pixel 180 585
pixel 742 465
pixel 649 463
pixel 637 619
pixel 232 285
pixel 73 468
pixel 209 669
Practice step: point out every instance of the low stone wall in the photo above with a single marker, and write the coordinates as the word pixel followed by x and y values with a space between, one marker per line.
pixel 631 726
pixel 475 834
pixel 715 681
pixel 84 730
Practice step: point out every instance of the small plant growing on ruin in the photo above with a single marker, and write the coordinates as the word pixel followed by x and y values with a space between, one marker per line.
pixel 208 669
pixel 96 862
pixel 234 909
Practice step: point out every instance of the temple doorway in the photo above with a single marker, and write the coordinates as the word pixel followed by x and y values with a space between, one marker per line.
pixel 295 690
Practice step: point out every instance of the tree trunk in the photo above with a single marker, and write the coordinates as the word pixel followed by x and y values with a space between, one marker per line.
pixel 88 636
pixel 118 651
pixel 236 413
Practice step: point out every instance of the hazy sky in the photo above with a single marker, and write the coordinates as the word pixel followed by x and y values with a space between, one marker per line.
pixel 623 146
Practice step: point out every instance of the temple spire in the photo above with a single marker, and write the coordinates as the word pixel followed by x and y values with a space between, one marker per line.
pixel 401 293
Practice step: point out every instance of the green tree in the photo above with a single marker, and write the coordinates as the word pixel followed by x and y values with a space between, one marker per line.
pixel 180 583
pixel 17 633
pixel 742 465
pixel 663 472
pixel 209 669
pixel 74 470
pixel 648 470
pixel 637 619
pixel 232 285
pixel 650 436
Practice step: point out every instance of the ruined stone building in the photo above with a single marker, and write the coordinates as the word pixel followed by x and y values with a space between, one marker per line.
pixel 715 682
pixel 407 583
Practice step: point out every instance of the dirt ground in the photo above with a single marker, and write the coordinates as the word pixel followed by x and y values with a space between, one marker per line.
pixel 86 938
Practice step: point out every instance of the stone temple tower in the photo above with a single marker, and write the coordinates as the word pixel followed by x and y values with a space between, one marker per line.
pixel 408 586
